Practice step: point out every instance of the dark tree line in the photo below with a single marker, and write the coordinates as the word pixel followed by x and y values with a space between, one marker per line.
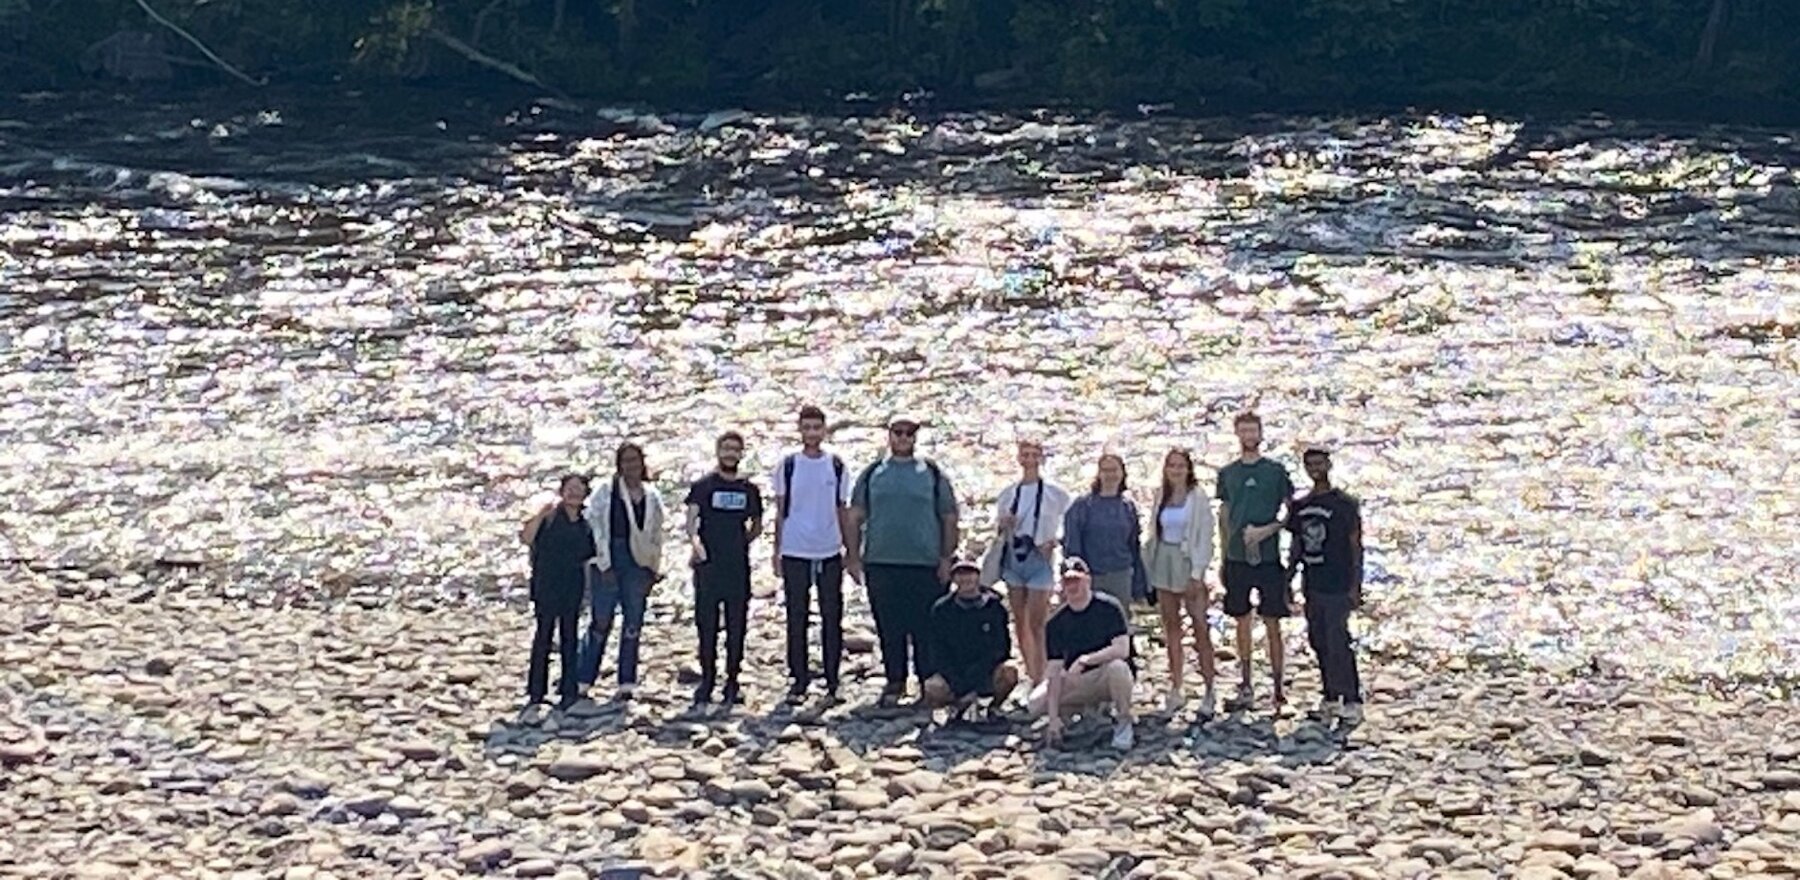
pixel 1093 52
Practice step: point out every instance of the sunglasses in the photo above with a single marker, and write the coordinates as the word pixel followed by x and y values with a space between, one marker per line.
pixel 903 432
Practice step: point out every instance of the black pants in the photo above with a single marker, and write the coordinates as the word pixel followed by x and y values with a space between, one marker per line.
pixel 721 589
pixel 901 597
pixel 798 577
pixel 1328 629
pixel 554 619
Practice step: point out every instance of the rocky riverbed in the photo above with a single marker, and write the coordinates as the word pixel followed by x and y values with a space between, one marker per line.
pixel 153 730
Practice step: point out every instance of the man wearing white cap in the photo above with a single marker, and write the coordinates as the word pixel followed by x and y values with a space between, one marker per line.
pixel 1090 662
pixel 970 645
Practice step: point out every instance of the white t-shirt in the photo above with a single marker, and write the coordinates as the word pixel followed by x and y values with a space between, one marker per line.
pixel 1048 521
pixel 810 530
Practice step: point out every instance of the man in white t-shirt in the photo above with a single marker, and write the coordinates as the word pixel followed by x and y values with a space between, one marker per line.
pixel 812 509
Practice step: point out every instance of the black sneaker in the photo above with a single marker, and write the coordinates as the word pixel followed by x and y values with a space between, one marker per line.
pixel 796 694
pixel 702 700
pixel 831 694
pixel 732 696
pixel 567 703
pixel 891 696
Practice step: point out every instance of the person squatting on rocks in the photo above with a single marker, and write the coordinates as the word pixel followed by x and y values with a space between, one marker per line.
pixel 904 509
pixel 1103 528
pixel 724 516
pixel 561 545
pixel 1327 543
pixel 1251 492
pixel 1028 518
pixel 812 516
pixel 627 520
pixel 970 646
pixel 1090 660
pixel 1179 552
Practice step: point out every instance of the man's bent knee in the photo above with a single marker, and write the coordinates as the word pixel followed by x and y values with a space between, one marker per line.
pixel 1005 679
pixel 937 692
pixel 1116 671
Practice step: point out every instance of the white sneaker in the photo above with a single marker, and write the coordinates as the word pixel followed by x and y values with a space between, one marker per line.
pixel 1174 701
pixel 1123 737
pixel 1352 715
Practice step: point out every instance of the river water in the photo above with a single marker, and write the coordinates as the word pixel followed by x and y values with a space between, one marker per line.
pixel 341 345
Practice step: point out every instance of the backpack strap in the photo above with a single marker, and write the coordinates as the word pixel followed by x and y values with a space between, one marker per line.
pixel 787 485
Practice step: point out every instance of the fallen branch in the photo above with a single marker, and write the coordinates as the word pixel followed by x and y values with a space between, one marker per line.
pixel 489 61
pixel 157 17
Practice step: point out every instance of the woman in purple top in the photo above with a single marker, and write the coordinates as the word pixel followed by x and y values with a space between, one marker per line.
pixel 1103 528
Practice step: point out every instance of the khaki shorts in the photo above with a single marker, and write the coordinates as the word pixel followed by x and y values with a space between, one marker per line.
pixel 1083 692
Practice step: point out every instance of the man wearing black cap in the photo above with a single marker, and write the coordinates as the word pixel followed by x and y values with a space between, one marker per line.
pixel 1090 659
pixel 904 510
pixel 970 644
pixel 1327 543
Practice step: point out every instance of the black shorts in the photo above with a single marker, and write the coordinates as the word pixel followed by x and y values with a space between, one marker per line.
pixel 1267 579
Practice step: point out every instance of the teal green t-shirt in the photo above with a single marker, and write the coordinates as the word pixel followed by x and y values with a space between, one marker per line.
pixel 902 515
pixel 1253 495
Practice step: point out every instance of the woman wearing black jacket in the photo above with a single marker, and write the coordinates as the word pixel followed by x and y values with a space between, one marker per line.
pixel 561 545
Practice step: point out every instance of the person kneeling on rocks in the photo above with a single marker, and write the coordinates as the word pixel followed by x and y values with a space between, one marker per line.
pixel 971 642
pixel 1090 659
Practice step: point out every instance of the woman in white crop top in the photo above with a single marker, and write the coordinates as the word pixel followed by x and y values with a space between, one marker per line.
pixel 1177 549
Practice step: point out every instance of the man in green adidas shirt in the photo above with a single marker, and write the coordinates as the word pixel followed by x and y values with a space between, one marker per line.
pixel 1252 493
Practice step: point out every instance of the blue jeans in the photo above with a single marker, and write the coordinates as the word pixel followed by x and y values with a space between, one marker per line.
pixel 1034 573
pixel 629 590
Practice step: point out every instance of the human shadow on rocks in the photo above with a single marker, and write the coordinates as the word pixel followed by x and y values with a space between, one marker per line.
pixel 511 735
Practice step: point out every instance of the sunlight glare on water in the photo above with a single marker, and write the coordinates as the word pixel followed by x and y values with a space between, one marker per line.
pixel 1560 360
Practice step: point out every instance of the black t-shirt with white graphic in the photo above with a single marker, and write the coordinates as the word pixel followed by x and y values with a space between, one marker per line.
pixel 1323 524
pixel 726 504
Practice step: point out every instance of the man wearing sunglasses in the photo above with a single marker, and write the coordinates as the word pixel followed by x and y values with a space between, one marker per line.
pixel 903 510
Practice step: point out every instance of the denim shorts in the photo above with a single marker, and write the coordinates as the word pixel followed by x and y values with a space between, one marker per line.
pixel 1033 573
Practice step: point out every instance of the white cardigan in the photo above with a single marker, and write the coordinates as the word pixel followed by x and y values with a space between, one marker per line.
pixel 646 536
pixel 1196 539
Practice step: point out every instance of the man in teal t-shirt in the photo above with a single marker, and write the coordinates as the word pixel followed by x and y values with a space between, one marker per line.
pixel 905 511
pixel 1252 492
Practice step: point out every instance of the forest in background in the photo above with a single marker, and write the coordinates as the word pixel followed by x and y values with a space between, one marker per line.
pixel 1096 53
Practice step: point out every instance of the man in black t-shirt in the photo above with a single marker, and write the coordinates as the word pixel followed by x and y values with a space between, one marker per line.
pixel 724 514
pixel 971 640
pixel 1327 543
pixel 1090 663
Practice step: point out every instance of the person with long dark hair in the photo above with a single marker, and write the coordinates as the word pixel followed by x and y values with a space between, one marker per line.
pixel 1102 528
pixel 627 520
pixel 1177 552
pixel 561 545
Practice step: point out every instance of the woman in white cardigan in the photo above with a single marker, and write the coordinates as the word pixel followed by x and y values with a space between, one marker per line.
pixel 1177 552
pixel 627 519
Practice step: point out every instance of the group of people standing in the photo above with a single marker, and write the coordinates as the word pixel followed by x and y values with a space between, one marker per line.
pixel 941 620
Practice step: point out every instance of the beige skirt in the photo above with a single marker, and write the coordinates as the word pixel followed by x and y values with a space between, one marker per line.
pixel 1171 571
